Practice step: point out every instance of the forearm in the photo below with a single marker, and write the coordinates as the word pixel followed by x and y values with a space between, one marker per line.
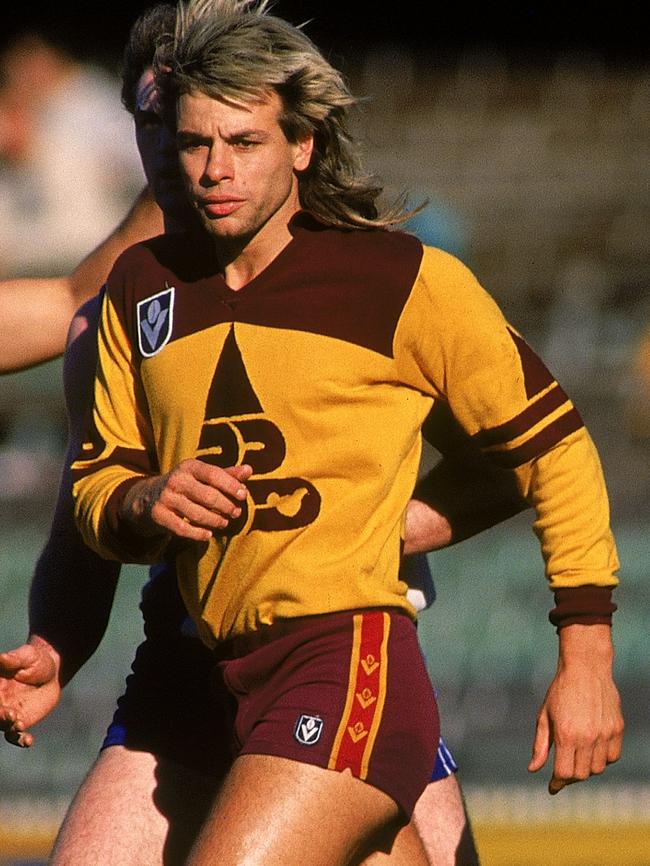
pixel 104 524
pixel 47 305
pixel 460 497
pixel 425 529
pixel 70 600
pixel 567 489
pixel 72 591
pixel 135 511
pixel 144 220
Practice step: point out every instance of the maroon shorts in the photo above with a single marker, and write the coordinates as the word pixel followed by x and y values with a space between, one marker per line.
pixel 345 690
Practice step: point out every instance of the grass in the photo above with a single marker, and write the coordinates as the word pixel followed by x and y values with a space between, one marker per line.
pixel 500 844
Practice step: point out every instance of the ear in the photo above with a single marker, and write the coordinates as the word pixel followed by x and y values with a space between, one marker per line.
pixel 304 150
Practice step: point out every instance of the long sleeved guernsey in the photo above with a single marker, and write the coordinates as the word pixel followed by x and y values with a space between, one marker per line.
pixel 320 374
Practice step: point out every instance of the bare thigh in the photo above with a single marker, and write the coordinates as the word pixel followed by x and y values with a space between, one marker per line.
pixel 133 809
pixel 440 826
pixel 276 812
pixel 442 822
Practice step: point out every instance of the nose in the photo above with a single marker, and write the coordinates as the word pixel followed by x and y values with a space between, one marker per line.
pixel 219 165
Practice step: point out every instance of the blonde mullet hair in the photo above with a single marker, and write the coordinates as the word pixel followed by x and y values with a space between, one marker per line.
pixel 237 50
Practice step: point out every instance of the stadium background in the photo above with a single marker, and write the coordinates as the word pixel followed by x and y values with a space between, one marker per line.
pixel 528 129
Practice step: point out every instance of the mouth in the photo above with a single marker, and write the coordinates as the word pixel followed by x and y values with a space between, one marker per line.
pixel 219 206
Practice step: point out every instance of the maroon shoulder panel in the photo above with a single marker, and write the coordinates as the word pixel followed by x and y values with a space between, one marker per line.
pixel 351 285
pixel 536 375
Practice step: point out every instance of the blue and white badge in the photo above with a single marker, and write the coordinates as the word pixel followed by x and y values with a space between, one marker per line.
pixel 155 319
pixel 308 729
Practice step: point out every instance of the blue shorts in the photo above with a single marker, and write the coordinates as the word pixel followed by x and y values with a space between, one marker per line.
pixel 171 706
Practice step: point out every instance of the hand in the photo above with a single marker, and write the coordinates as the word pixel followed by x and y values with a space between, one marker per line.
pixel 192 501
pixel 581 713
pixel 29 689
pixel 426 529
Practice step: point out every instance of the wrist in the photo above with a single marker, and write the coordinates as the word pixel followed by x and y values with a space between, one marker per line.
pixel 135 507
pixel 588 645
pixel 41 645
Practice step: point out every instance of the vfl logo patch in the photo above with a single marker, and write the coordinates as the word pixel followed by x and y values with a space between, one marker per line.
pixel 155 317
pixel 308 729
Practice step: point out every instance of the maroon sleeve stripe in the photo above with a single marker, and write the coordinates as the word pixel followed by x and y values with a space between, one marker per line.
pixel 523 422
pixel 542 442
pixel 132 459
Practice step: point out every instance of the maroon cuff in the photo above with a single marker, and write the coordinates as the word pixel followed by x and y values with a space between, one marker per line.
pixel 583 605
pixel 128 544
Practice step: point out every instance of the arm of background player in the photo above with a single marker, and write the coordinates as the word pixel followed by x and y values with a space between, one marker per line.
pixel 462 495
pixel 72 590
pixel 35 314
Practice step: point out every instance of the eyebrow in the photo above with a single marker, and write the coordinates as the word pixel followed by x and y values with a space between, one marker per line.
pixel 240 133
pixel 190 135
pixel 243 133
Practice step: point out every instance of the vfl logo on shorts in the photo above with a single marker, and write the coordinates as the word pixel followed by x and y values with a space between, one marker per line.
pixel 308 729
pixel 155 317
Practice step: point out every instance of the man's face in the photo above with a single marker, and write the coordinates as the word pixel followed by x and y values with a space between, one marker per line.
pixel 239 167
pixel 157 147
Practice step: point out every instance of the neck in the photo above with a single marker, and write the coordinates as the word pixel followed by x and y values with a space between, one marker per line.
pixel 242 259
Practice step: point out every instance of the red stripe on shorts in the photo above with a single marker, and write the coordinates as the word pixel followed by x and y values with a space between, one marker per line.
pixel 366 694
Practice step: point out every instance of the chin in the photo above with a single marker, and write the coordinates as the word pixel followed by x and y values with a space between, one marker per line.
pixel 223 227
